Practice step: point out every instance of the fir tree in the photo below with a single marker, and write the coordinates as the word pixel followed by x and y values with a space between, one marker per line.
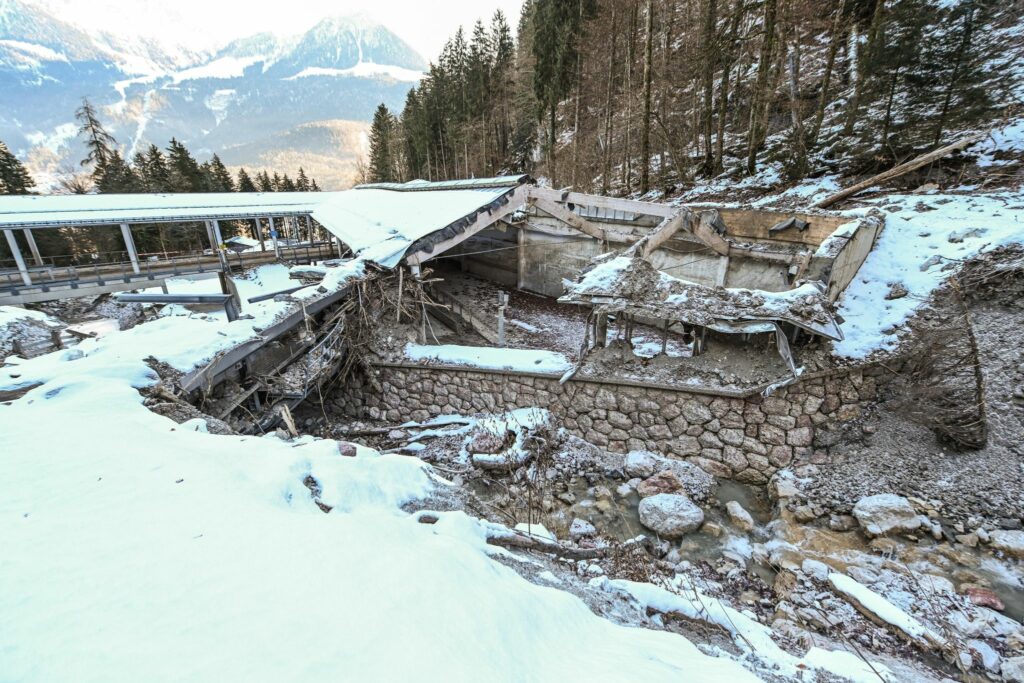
pixel 245 183
pixel 382 161
pixel 287 184
pixel 276 182
pixel 264 182
pixel 313 186
pixel 116 176
pixel 302 182
pixel 14 178
pixel 218 177
pixel 183 171
pixel 157 176
pixel 98 141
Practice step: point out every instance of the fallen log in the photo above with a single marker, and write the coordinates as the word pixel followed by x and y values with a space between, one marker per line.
pixel 902 169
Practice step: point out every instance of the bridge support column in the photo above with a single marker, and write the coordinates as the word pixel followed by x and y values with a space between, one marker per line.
pixel 273 236
pixel 129 244
pixel 16 252
pixel 309 230
pixel 33 247
pixel 259 233
pixel 219 246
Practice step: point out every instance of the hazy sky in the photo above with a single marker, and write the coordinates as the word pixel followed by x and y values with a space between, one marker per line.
pixel 200 24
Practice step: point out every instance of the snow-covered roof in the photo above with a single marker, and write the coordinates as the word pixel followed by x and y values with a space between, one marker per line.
pixel 379 222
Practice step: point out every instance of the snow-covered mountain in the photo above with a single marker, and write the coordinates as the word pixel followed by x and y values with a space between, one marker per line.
pixel 250 101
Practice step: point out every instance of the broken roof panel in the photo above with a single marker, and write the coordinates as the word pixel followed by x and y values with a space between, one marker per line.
pixel 634 285
pixel 380 223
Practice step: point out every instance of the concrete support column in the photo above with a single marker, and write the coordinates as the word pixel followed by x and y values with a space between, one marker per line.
pixel 220 244
pixel 259 234
pixel 129 244
pixel 33 247
pixel 273 236
pixel 16 252
pixel 309 229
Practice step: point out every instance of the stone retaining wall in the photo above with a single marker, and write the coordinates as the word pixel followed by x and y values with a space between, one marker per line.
pixel 746 438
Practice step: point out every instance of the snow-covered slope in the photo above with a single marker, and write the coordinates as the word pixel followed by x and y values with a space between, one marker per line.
pixel 140 549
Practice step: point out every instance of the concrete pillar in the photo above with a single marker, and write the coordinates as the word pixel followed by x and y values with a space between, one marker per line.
pixel 220 244
pixel 33 247
pixel 273 236
pixel 16 252
pixel 337 242
pixel 129 244
pixel 309 229
pixel 259 234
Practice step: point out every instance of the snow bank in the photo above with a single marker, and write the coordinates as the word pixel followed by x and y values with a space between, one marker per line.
pixel 922 234
pixel 519 360
pixel 749 635
pixel 139 549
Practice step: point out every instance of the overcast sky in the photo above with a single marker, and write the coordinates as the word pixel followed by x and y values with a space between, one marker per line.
pixel 202 24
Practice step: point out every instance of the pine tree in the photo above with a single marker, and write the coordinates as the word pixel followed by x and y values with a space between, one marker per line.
pixel 276 182
pixel 14 178
pixel 116 176
pixel 302 182
pixel 157 175
pixel 264 183
pixel 98 141
pixel 245 183
pixel 382 133
pixel 313 186
pixel 287 184
pixel 184 174
pixel 220 179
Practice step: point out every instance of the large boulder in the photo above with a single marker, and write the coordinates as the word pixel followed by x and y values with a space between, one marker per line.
pixel 695 482
pixel 1010 542
pixel 886 513
pixel 671 515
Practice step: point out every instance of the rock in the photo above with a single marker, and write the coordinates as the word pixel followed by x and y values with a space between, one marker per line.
pixel 740 518
pixel 1010 542
pixel 486 442
pixel 897 290
pixel 712 529
pixel 783 485
pixel 815 569
pixel 984 597
pixel 842 522
pixel 1013 670
pixel 581 528
pixel 347 449
pixel 886 513
pixel 662 482
pixel 969 540
pixel 671 515
pixel 983 653
pixel 804 514
pixel 641 464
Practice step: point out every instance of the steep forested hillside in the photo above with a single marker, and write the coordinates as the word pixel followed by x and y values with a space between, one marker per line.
pixel 636 95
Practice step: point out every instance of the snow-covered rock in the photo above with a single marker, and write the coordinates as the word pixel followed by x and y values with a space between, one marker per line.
pixel 1013 670
pixel 1010 542
pixel 739 517
pixel 581 528
pixel 884 613
pixel 886 513
pixel 641 464
pixel 670 514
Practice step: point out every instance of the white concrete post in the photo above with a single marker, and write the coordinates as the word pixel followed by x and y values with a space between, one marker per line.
pixel 33 247
pixel 129 243
pixel 502 303
pixel 220 244
pixel 259 234
pixel 16 252
pixel 273 237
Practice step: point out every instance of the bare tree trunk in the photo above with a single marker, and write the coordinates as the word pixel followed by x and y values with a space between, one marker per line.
pixel 965 42
pixel 576 108
pixel 826 80
pixel 728 58
pixel 627 166
pixel 645 127
pixel 862 56
pixel 760 98
pixel 710 64
pixel 608 113
pixel 799 153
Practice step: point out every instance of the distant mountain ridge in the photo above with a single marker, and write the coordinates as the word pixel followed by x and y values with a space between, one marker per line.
pixel 255 100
